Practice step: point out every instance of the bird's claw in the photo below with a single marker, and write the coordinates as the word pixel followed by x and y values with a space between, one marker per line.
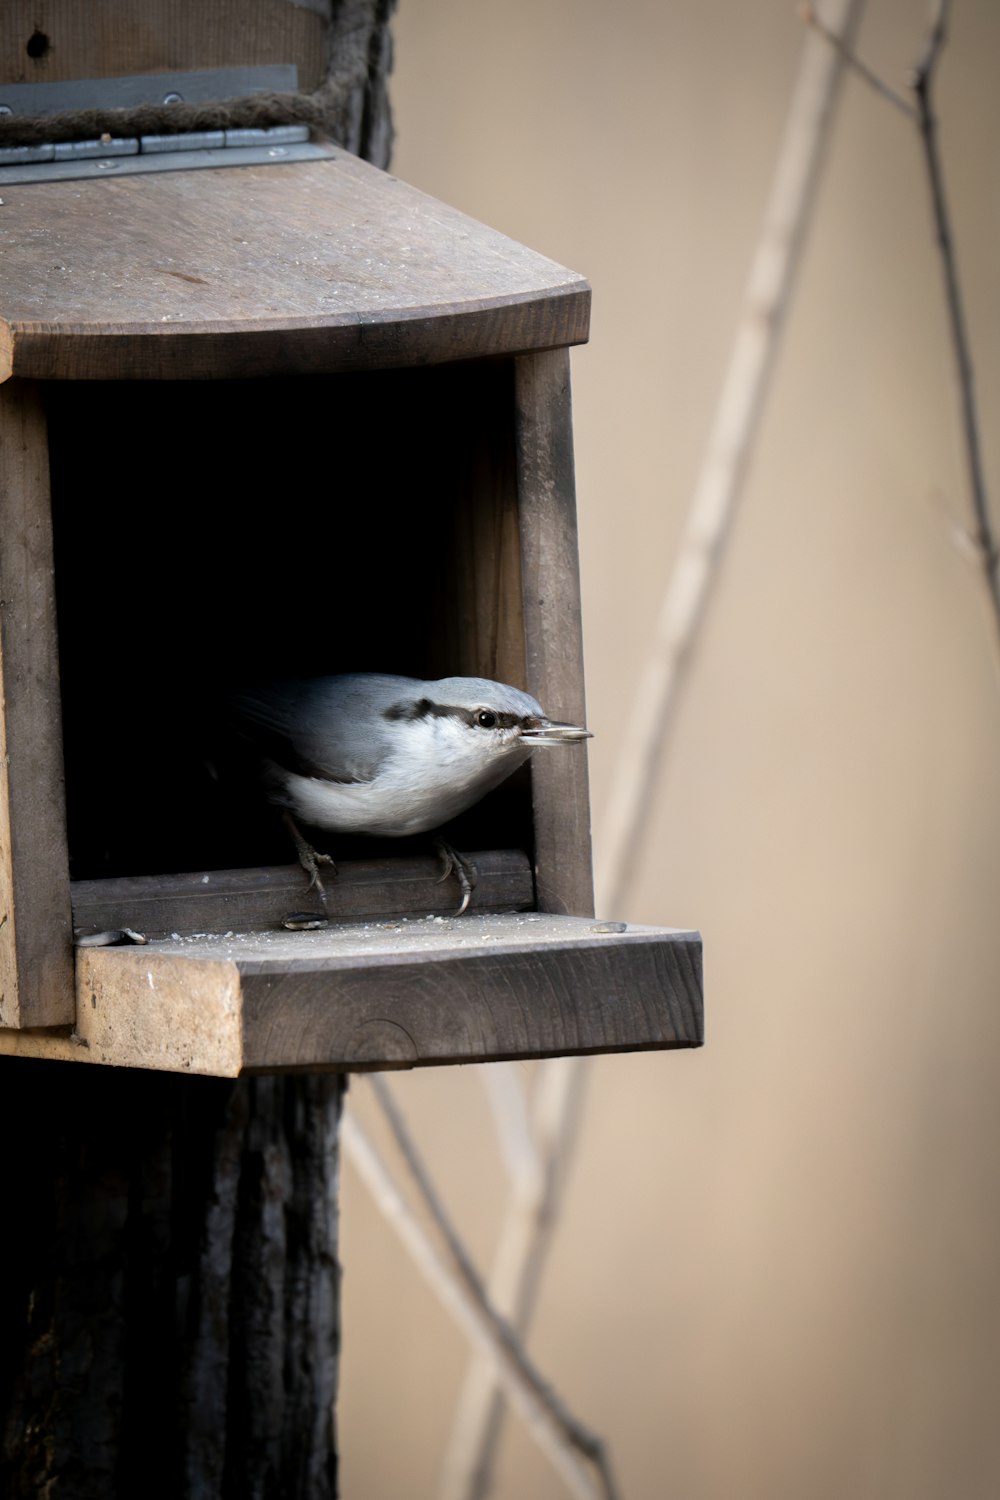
pixel 309 858
pixel 463 870
pixel 310 863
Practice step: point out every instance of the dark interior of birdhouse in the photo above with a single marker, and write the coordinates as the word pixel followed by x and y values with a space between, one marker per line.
pixel 214 535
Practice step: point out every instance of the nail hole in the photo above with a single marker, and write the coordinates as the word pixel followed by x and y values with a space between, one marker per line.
pixel 38 44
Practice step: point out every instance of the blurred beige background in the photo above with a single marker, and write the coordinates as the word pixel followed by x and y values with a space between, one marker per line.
pixel 777 1270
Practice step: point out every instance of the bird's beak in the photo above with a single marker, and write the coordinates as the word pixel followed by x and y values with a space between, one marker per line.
pixel 548 733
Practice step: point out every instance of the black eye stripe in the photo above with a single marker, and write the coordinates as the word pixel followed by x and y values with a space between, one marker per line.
pixel 497 720
pixel 474 717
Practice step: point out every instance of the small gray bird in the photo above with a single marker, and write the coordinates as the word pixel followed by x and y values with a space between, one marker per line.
pixel 392 756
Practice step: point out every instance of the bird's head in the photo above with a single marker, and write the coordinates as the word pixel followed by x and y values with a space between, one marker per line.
pixel 483 720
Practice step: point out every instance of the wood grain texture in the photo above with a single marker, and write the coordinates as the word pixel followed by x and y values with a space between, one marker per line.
pixel 383 995
pixel 256 900
pixel 481 626
pixel 36 959
pixel 300 268
pixel 106 38
pixel 170 1283
pixel 553 626
pixel 592 994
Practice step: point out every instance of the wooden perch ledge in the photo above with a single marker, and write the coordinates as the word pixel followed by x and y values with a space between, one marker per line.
pixel 394 994
pixel 161 906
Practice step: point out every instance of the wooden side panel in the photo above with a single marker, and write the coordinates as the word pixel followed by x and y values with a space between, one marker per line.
pixel 114 37
pixel 481 624
pixel 552 626
pixel 36 956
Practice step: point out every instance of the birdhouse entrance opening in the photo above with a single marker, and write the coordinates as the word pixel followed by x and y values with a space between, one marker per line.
pixel 213 535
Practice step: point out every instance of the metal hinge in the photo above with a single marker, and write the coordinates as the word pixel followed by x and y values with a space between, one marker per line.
pixel 110 156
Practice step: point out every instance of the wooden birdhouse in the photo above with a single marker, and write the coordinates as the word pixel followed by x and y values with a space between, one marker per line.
pixel 288 416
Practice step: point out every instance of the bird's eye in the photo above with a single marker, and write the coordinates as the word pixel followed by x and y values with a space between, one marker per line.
pixel 486 718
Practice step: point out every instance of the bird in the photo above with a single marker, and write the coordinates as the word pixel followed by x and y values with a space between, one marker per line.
pixel 389 756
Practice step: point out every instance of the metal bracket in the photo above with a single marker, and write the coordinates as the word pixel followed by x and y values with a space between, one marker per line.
pixel 53 161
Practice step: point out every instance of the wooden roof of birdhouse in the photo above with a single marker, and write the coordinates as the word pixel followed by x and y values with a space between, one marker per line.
pixel 301 267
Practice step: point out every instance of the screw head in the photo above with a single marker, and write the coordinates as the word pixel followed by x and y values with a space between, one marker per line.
pixel 5 109
pixel 173 98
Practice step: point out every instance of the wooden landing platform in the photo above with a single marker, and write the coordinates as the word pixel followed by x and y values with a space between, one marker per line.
pixel 384 994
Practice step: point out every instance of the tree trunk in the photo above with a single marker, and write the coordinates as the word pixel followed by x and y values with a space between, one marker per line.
pixel 170 1285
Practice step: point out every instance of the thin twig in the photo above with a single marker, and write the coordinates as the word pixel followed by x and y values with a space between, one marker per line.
pixel 508 1102
pixel 537 1179
pixel 535 1397
pixel 981 541
pixel 724 468
pixel 682 612
pixel 937 33
pixel 373 1172
pixel 811 18
pixel 983 535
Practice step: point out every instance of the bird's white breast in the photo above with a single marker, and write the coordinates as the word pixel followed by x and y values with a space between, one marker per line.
pixel 436 768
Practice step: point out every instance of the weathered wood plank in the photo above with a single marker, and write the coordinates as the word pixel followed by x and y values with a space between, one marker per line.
pixel 116 37
pixel 533 1000
pixel 482 627
pixel 553 628
pixel 296 269
pixel 36 959
pixel 254 900
pixel 413 993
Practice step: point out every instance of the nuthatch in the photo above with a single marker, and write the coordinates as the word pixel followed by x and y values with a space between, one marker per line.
pixel 392 756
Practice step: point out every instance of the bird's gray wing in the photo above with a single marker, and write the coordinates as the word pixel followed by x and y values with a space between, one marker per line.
pixel 331 727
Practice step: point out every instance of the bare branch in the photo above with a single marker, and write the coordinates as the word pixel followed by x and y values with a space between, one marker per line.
pixel 515 1277
pixel 528 1221
pixel 983 536
pixel 566 1441
pixel 937 33
pixel 981 541
pixel 507 1097
pixel 811 18
pixel 724 467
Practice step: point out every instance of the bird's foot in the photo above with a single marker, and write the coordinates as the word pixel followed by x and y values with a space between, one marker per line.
pixel 463 870
pixel 309 858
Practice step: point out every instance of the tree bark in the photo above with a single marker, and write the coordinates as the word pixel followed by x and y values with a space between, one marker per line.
pixel 169 1322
